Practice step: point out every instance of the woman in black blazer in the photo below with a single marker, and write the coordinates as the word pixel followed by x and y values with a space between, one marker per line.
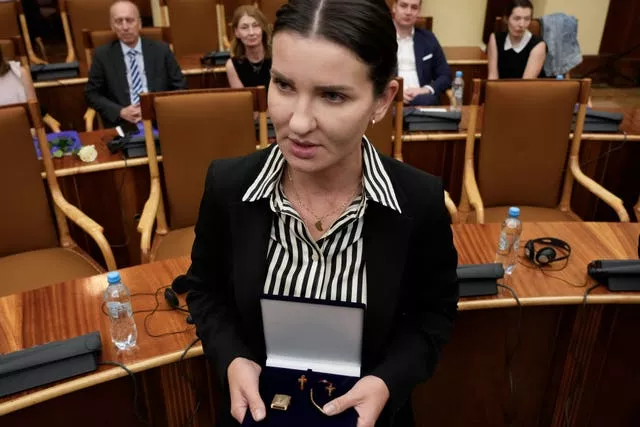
pixel 322 215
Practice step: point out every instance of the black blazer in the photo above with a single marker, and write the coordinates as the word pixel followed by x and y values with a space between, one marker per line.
pixel 107 90
pixel 431 65
pixel 412 288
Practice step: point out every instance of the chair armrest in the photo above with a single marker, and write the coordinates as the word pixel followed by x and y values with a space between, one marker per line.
pixel 471 188
pixel 83 221
pixel 148 218
pixel 451 207
pixel 602 193
pixel 89 117
pixel 636 208
pixel 452 99
pixel 53 124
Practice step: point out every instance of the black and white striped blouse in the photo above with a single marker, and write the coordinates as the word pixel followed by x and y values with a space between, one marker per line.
pixel 332 268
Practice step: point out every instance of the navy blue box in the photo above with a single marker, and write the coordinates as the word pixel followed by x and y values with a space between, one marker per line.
pixel 321 340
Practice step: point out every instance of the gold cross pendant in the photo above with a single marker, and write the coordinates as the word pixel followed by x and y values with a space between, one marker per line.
pixel 302 380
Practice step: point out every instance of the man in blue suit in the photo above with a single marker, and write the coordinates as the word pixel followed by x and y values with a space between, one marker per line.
pixel 421 61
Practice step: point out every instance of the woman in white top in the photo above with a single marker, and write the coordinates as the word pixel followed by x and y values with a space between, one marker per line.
pixel 16 87
pixel 516 53
pixel 14 83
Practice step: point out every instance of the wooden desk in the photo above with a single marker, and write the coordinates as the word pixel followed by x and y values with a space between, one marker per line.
pixel 472 61
pixel 468 386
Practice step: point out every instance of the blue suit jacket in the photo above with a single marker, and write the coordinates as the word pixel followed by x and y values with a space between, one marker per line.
pixel 431 65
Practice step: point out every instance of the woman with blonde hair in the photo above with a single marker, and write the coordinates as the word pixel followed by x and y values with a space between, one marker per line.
pixel 250 64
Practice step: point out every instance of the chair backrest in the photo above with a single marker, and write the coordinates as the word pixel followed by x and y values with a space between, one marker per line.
pixel 9 19
pixel 386 135
pixel 270 7
pixel 195 26
pixel 425 22
pixel 534 27
pixel 523 150
pixel 93 39
pixel 26 222
pixel 12 49
pixel 230 6
pixel 85 14
pixel 196 127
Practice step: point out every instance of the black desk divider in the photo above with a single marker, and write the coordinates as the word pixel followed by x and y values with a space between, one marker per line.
pixel 479 279
pixel 617 275
pixel 47 363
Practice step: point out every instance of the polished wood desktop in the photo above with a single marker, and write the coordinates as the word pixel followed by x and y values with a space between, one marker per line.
pixel 552 311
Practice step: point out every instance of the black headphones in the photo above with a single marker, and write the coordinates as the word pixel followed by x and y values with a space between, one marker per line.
pixel 549 252
pixel 171 298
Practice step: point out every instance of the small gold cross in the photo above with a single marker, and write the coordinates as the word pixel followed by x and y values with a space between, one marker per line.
pixel 330 389
pixel 302 380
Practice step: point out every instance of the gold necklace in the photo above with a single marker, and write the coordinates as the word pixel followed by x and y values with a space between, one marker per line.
pixel 318 223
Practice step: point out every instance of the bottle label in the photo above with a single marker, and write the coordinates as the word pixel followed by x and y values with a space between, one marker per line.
pixel 116 309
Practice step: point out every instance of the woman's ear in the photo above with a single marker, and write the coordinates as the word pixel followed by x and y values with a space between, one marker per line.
pixel 384 101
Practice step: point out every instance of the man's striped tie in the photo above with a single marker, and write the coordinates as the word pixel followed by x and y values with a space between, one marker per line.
pixel 136 80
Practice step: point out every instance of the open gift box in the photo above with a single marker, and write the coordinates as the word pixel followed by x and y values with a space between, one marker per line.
pixel 313 356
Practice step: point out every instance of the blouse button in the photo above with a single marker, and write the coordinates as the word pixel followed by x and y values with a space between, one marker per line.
pixel 314 257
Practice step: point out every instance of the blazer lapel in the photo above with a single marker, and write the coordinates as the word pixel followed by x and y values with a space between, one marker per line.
pixel 250 226
pixel 386 237
pixel 147 54
pixel 418 54
pixel 120 70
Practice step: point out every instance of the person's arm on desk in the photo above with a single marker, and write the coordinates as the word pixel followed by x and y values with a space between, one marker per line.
pixel 211 306
pixel 94 92
pixel 492 56
pixel 232 75
pixel 423 325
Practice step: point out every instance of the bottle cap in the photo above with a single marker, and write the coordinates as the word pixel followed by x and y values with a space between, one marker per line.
pixel 559 77
pixel 113 277
pixel 514 212
pixel 458 73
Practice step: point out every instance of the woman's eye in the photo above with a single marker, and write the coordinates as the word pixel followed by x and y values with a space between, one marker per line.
pixel 334 97
pixel 282 85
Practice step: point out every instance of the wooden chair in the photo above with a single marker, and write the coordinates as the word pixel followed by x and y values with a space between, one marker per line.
pixel 269 8
pixel 10 15
pixel 425 22
pixel 386 137
pixel 93 39
pixel 196 127
pixel 522 153
pixel 13 50
pixel 196 25
pixel 33 251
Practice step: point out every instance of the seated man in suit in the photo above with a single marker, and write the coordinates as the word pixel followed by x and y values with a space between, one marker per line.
pixel 123 69
pixel 421 61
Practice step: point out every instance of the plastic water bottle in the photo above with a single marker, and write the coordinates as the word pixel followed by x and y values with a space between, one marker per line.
pixel 117 298
pixel 458 90
pixel 509 241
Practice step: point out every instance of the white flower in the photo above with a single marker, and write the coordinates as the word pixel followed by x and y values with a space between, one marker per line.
pixel 88 153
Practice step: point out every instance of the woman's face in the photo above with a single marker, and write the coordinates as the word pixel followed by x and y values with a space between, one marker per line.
pixel 519 21
pixel 320 101
pixel 249 31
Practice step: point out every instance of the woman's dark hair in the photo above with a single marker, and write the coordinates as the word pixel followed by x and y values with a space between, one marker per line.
pixel 517 3
pixel 4 65
pixel 364 27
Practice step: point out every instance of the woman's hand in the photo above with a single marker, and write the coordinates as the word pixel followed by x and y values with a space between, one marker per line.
pixel 368 397
pixel 243 375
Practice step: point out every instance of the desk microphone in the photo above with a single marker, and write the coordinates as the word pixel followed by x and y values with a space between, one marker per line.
pixel 171 298
pixel 618 275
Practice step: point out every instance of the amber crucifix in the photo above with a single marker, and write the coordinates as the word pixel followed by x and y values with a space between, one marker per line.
pixel 302 380
pixel 330 388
